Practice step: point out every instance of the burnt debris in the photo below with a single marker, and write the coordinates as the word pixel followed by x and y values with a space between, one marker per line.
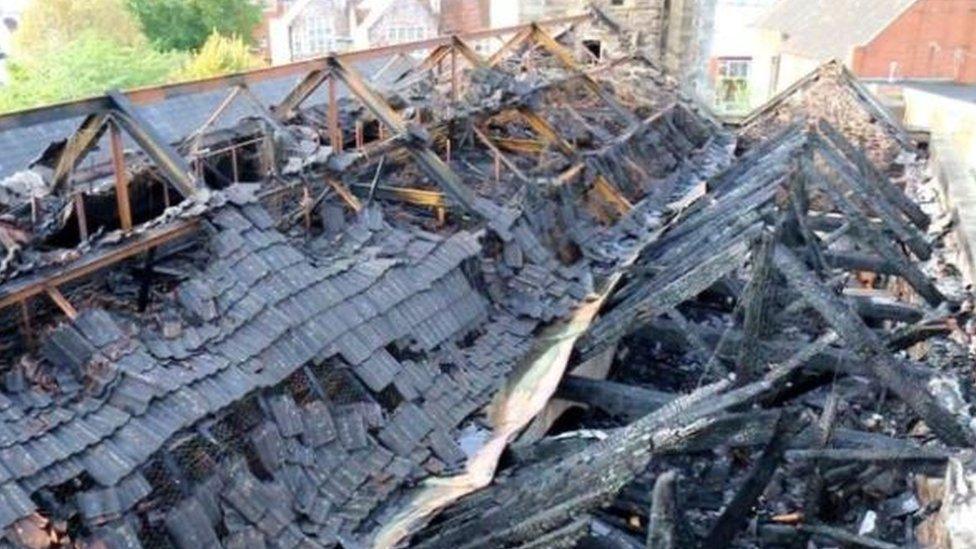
pixel 536 299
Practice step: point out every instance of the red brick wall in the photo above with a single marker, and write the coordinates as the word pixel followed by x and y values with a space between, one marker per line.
pixel 933 39
pixel 464 15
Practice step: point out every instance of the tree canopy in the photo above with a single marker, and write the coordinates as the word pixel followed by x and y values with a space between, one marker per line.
pixel 88 65
pixel 219 55
pixel 67 49
pixel 186 24
pixel 52 24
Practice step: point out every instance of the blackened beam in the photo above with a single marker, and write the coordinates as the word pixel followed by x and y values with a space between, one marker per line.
pixel 546 131
pixel 510 45
pixel 670 335
pixel 733 518
pixel 874 238
pixel 78 146
pixel 416 197
pixel 667 291
pixel 663 521
pixel 565 57
pixel 434 58
pixel 853 261
pixel 870 198
pixel 287 108
pixel 467 52
pixel 889 371
pixel 173 166
pixel 428 160
pixel 617 399
pixel 875 178
pixel 155 94
pixel 21 289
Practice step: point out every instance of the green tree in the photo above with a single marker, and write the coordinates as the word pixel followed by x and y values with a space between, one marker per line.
pixel 88 65
pixel 219 55
pixel 186 24
pixel 51 24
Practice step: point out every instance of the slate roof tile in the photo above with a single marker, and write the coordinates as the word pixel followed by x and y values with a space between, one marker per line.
pixel 190 527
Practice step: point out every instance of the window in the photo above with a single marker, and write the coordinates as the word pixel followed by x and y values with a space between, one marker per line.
pixel 398 35
pixel 312 36
pixel 732 84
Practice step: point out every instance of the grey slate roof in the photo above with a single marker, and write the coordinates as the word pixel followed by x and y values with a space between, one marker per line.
pixel 828 29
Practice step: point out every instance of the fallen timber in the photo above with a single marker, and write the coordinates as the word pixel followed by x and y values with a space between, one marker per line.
pixel 344 351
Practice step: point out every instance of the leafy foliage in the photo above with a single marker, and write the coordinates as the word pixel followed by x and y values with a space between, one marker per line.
pixel 88 65
pixel 187 24
pixel 219 55
pixel 51 24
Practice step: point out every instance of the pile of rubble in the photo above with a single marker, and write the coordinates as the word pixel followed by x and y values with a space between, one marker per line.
pixel 551 305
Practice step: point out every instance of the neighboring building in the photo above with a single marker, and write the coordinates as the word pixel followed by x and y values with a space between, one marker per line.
pixel 738 78
pixel 886 39
pixel 300 29
pixel 465 15
pixel 389 22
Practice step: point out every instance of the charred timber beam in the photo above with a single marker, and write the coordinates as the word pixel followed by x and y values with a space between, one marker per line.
pixel 617 399
pixel 121 178
pixel 780 533
pixel 612 196
pixel 173 166
pixel 853 261
pixel 734 516
pixel 881 244
pixel 662 528
pixel 871 455
pixel 19 290
pixel 886 369
pixel 670 335
pixel 546 131
pixel 191 143
pixel 428 160
pixel 499 156
pixel 869 198
pixel 415 197
pixel 759 295
pixel 680 284
pixel 62 302
pixel 565 57
pixel 78 146
pixel 467 52
pixel 873 176
pixel 509 46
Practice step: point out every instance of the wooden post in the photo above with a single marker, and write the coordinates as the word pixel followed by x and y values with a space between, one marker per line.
pixel 233 164
pixel 307 208
pixel 26 323
pixel 165 194
pixel 447 151
pixel 121 178
pixel 454 74
pixel 359 135
pixel 335 132
pixel 62 302
pixel 82 217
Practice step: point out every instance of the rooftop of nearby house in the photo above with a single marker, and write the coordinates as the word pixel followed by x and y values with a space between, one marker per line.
pixel 829 29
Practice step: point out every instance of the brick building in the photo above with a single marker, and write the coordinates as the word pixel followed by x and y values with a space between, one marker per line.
pixel 877 39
